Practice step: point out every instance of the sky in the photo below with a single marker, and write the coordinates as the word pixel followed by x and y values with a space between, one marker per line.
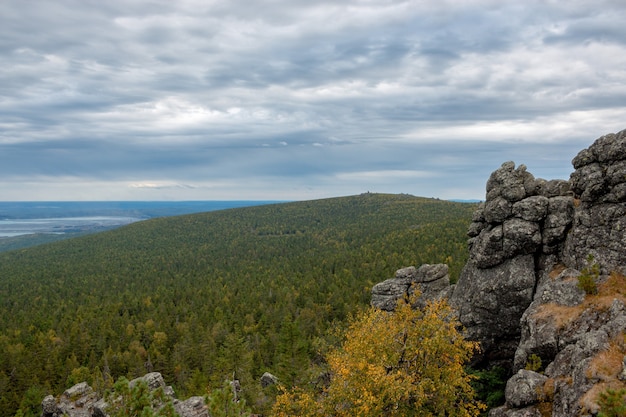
pixel 300 99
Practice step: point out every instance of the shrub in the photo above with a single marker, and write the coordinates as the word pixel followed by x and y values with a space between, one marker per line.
pixel 588 276
pixel 533 363
pixel 612 403
pixel 408 363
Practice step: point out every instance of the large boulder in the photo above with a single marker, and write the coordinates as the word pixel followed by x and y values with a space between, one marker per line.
pixel 78 401
pixel 525 388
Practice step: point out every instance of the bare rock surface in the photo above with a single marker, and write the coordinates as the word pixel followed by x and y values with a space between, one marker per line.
pixel 432 280
pixel 599 226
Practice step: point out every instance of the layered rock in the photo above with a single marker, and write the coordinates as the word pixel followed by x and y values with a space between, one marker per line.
pixel 432 280
pixel 514 236
pixel 599 183
pixel 579 338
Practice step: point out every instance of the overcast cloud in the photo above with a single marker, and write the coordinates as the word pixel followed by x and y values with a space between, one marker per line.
pixel 299 99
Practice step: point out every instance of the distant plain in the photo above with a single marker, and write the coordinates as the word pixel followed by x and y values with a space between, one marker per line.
pixel 24 224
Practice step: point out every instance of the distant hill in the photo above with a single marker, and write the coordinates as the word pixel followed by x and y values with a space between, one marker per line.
pixel 200 297
pixel 49 220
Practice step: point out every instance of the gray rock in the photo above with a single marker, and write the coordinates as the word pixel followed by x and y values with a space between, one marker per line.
pixel 599 230
pixel 487 247
pixel 49 407
pixel 475 228
pixel 497 210
pixel 554 188
pixel 622 375
pixel 82 401
pixel 506 412
pixel 490 303
pixel 432 280
pixel 192 407
pixel 599 225
pixel 479 213
pixel 589 182
pixel 268 379
pixel 385 295
pixel 520 237
pixel 533 209
pixel 77 391
pixel 540 333
pixel 616 173
pixel 525 388
pixel 154 380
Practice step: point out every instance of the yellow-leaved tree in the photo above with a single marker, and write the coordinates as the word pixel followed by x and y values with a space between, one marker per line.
pixel 406 363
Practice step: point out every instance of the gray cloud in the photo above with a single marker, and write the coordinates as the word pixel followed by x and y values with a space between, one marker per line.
pixel 299 99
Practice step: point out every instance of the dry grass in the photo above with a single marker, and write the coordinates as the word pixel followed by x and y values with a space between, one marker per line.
pixel 607 364
pixel 605 367
pixel 589 401
pixel 613 288
pixel 558 314
pixel 556 271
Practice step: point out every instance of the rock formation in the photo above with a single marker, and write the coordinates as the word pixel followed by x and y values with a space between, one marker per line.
pixel 599 224
pixel 574 334
pixel 514 237
pixel 82 401
pixel 432 280
pixel 518 294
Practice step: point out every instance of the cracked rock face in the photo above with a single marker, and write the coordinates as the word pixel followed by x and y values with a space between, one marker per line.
pixel 599 226
pixel 522 222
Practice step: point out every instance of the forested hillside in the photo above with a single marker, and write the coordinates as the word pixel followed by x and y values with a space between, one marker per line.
pixel 203 296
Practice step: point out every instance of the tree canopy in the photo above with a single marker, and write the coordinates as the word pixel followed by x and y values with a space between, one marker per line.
pixel 198 297
pixel 406 363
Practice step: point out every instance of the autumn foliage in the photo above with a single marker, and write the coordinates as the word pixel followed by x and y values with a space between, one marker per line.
pixel 407 363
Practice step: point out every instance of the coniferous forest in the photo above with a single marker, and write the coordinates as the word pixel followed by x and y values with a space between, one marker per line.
pixel 203 297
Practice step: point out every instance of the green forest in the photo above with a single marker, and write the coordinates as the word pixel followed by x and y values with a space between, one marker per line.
pixel 206 296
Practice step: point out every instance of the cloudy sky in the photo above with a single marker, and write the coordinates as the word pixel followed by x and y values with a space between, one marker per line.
pixel 300 99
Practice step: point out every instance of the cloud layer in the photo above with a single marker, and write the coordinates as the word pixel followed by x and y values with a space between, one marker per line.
pixel 277 99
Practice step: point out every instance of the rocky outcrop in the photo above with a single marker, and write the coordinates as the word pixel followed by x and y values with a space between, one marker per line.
pixel 578 338
pixel 78 401
pixel 599 182
pixel 82 401
pixel 432 280
pixel 518 294
pixel 514 237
